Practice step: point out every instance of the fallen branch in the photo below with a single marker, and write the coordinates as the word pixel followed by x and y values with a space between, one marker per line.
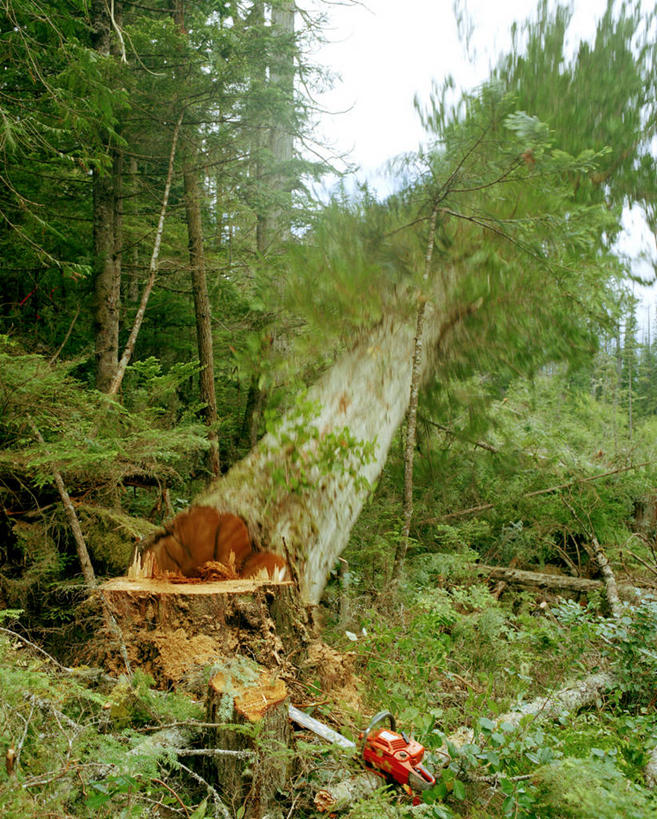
pixel 46 705
pixel 219 805
pixel 215 752
pixel 611 586
pixel 449 431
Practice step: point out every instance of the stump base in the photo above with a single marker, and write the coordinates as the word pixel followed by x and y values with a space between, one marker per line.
pixel 174 630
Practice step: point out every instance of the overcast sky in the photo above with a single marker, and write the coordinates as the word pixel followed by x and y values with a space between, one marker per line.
pixel 388 51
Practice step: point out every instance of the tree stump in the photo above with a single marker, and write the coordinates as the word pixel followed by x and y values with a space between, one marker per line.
pixel 251 706
pixel 175 630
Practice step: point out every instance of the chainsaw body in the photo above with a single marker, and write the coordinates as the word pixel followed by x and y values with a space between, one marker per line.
pixel 394 756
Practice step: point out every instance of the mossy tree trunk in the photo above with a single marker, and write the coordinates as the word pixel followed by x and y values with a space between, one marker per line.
pixel 367 392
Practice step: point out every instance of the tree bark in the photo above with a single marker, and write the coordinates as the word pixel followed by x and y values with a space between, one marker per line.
pixel 367 391
pixel 245 696
pixel 107 279
pixel 107 226
pixel 201 308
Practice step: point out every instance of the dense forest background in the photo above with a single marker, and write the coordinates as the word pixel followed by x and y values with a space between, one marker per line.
pixel 171 290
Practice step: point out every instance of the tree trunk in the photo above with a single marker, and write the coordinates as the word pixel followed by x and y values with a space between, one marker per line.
pixel 201 308
pixel 107 277
pixel 367 391
pixel 106 232
pixel 253 705
pixel 411 426
pixel 570 698
pixel 199 280
pixel 281 136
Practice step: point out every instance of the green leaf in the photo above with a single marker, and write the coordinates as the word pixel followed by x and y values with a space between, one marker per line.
pixel 459 790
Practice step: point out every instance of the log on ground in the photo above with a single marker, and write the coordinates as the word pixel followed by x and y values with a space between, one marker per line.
pixel 551 582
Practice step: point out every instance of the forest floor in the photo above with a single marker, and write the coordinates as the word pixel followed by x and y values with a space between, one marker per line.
pixel 449 654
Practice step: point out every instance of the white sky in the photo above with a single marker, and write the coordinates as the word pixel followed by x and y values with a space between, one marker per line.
pixel 388 51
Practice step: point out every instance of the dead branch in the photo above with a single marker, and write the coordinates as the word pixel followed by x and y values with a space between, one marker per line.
pixel 219 805
pixel 46 705
pixel 448 431
pixel 611 586
pixel 215 752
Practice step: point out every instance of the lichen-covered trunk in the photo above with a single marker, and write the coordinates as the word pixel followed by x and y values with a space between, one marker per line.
pixel 367 391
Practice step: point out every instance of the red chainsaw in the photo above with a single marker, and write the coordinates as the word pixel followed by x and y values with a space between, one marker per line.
pixel 390 755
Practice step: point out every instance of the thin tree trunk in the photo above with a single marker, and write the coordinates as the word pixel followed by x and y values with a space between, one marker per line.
pixel 107 270
pixel 83 553
pixel 107 284
pixel 130 345
pixel 281 136
pixel 80 544
pixel 201 309
pixel 411 427
pixel 199 281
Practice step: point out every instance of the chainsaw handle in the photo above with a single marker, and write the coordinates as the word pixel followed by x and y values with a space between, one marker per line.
pixel 376 719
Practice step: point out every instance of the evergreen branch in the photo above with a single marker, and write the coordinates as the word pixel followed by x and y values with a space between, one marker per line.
pixel 484 507
pixel 130 344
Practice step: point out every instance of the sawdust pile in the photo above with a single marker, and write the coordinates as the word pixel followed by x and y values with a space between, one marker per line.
pixel 335 673
pixel 179 653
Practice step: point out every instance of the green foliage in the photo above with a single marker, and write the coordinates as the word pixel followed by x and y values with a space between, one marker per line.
pixel 74 756
pixel 96 445
pixel 628 643
pixel 589 789
pixel 301 454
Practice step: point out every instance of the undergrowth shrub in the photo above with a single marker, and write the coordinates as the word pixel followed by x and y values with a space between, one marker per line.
pixel 79 750
pixel 589 789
